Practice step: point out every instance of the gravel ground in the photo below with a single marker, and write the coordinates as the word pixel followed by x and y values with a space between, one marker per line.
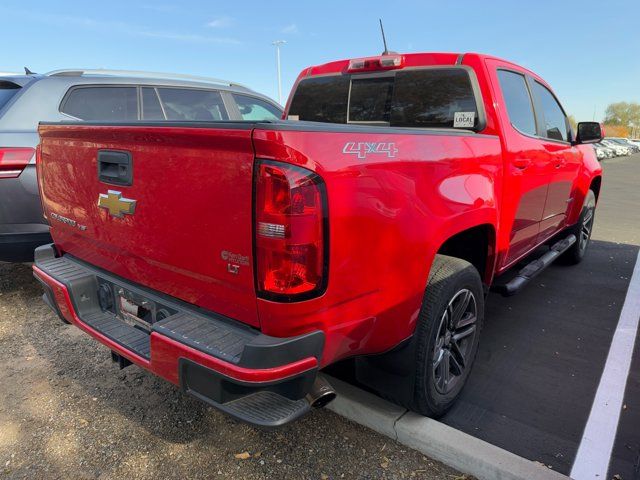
pixel 66 411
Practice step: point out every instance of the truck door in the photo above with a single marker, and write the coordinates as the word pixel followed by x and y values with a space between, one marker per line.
pixel 526 167
pixel 565 159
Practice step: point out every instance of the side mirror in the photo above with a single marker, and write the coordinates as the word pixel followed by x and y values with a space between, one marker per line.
pixel 589 132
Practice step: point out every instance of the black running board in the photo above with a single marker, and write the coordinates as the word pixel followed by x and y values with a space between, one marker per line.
pixel 529 272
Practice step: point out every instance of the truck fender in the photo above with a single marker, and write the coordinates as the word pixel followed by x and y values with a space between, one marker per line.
pixel 590 172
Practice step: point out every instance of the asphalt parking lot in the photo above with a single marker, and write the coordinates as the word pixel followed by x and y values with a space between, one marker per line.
pixel 67 411
pixel 542 352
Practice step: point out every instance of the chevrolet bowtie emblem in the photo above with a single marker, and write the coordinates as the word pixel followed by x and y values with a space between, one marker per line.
pixel 116 205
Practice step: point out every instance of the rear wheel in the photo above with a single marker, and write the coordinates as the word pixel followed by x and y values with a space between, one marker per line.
pixel 447 335
pixel 582 230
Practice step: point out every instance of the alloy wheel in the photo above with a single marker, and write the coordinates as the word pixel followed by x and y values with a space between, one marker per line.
pixel 454 341
pixel 586 227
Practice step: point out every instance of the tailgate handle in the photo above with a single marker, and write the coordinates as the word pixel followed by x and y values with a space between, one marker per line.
pixel 115 167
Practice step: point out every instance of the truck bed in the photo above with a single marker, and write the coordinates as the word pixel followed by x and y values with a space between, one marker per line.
pixel 193 188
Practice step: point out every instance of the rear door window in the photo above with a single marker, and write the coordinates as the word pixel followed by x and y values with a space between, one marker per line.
pixel 7 91
pixel 518 101
pixel 252 108
pixel 556 125
pixel 192 104
pixel 424 98
pixel 102 103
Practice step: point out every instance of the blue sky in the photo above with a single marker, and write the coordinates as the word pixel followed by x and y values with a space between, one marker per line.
pixel 587 50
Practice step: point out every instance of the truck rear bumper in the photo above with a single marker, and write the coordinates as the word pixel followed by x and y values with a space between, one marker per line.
pixel 253 377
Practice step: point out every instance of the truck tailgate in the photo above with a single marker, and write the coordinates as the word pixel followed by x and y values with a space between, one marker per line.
pixel 189 233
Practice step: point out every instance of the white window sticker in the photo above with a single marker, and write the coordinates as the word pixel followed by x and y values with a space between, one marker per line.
pixel 293 118
pixel 464 119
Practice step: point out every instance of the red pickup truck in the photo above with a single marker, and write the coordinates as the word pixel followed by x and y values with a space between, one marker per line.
pixel 236 259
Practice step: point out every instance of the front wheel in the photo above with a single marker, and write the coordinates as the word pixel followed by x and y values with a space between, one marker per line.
pixel 447 334
pixel 582 230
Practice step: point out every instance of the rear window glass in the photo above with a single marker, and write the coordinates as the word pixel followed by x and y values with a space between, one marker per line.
pixel 192 104
pixel 7 91
pixel 429 98
pixel 102 103
pixel 322 99
pixel 370 100
pixel 432 98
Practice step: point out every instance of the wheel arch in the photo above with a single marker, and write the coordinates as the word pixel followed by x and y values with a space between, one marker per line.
pixel 595 185
pixel 476 245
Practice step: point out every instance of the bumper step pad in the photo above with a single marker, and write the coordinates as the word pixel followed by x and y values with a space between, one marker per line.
pixel 270 405
pixel 112 327
pixel 79 279
pixel 266 409
pixel 216 339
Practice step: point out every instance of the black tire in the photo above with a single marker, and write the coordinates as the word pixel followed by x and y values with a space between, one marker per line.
pixel 582 230
pixel 449 281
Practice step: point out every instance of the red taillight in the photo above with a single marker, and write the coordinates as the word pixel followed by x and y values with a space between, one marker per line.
pixel 291 232
pixel 13 160
pixel 384 62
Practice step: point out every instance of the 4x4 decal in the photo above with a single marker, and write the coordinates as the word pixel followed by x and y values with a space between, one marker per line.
pixel 362 149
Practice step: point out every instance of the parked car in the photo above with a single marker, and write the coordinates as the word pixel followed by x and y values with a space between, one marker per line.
pixel 236 260
pixel 635 141
pixel 625 143
pixel 611 153
pixel 600 153
pixel 608 152
pixel 92 95
pixel 620 150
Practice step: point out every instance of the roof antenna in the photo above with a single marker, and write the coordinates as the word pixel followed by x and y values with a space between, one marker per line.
pixel 27 71
pixel 384 40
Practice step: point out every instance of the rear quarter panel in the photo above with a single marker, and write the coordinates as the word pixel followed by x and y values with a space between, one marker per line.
pixel 388 218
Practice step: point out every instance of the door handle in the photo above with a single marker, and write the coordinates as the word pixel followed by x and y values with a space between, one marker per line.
pixel 115 167
pixel 521 163
pixel 560 163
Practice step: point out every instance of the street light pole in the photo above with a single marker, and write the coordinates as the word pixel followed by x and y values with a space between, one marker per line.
pixel 277 44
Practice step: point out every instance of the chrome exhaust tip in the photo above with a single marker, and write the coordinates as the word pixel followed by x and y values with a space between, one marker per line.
pixel 321 393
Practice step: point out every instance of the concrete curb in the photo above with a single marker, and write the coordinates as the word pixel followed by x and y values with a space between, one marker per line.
pixel 436 440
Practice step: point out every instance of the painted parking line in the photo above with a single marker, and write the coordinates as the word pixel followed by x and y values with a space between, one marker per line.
pixel 594 453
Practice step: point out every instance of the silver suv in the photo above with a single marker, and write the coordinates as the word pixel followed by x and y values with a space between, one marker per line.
pixel 95 95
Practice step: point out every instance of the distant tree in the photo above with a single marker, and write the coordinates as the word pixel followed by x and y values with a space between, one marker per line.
pixel 616 131
pixel 572 122
pixel 625 114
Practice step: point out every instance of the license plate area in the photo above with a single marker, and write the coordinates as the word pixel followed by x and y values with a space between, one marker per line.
pixel 135 312
pixel 133 308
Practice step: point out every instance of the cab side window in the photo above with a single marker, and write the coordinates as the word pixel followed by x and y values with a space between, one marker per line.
pixel 192 104
pixel 255 109
pixel 151 109
pixel 102 103
pixel 556 124
pixel 519 106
